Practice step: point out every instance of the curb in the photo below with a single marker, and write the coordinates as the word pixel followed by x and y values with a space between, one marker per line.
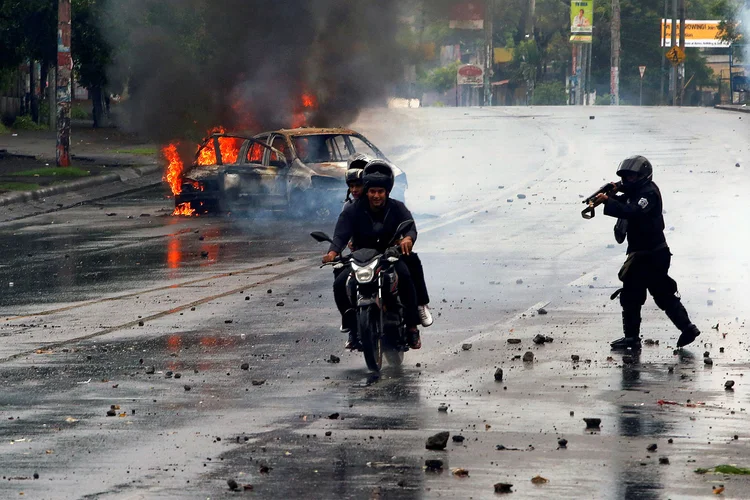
pixel 736 109
pixel 26 196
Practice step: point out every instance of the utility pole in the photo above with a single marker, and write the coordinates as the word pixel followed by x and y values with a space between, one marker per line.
pixel 673 79
pixel 64 84
pixel 532 13
pixel 489 56
pixel 615 70
pixel 663 54
pixel 681 71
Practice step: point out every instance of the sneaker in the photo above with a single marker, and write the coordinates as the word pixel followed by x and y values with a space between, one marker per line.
pixel 625 343
pixel 688 336
pixel 425 316
pixel 413 339
pixel 353 343
pixel 344 329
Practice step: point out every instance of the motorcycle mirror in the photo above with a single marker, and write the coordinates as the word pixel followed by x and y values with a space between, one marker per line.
pixel 320 237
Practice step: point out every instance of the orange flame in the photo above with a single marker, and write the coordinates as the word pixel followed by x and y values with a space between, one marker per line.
pixel 184 209
pixel 230 149
pixel 309 103
pixel 174 167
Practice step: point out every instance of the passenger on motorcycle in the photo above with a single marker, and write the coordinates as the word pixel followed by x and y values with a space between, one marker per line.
pixel 371 222
pixel 357 164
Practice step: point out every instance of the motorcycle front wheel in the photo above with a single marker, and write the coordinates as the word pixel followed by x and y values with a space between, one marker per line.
pixel 369 329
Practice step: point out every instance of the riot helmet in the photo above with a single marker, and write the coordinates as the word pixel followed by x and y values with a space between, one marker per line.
pixel 638 166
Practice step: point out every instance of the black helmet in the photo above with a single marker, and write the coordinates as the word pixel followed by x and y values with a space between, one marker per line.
pixel 358 160
pixel 378 173
pixel 354 176
pixel 639 166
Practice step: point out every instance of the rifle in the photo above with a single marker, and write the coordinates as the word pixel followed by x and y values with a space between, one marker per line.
pixel 608 189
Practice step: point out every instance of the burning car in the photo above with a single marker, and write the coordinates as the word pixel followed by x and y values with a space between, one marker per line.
pixel 299 170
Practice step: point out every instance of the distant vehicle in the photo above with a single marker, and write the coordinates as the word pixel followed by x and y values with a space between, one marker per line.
pixel 300 170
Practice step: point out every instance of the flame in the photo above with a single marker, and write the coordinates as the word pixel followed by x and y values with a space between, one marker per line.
pixel 230 149
pixel 174 167
pixel 308 103
pixel 184 209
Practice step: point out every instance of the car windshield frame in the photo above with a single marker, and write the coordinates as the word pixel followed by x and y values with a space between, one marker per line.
pixel 343 156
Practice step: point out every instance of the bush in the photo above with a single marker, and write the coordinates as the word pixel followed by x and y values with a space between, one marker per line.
pixel 603 100
pixel 78 113
pixel 549 94
pixel 26 123
pixel 3 129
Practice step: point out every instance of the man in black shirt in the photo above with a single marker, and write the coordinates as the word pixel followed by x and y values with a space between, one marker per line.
pixel 371 222
pixel 639 213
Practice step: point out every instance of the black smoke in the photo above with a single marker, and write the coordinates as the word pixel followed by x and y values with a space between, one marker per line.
pixel 190 65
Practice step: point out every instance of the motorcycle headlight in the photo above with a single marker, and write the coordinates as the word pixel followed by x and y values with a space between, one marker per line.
pixel 366 273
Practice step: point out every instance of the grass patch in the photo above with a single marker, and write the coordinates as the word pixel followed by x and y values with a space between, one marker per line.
pixel 18 186
pixel 4 129
pixel 54 172
pixel 138 151
pixel 725 469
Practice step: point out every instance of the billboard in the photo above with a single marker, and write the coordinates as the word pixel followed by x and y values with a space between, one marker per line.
pixel 467 16
pixel 470 74
pixel 582 17
pixel 697 34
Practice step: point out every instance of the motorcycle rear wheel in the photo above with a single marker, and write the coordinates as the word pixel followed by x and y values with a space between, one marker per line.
pixel 369 329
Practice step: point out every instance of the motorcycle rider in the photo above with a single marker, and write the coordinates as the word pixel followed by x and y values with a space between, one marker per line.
pixel 639 210
pixel 356 167
pixel 371 222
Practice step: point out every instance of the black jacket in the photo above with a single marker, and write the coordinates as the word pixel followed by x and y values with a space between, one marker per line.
pixel 642 209
pixel 367 229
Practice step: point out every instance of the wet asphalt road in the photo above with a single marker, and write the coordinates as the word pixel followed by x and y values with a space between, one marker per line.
pixel 105 293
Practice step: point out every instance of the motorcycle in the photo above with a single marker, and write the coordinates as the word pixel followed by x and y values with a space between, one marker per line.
pixel 373 290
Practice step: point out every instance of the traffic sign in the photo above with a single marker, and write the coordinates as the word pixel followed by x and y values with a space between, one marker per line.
pixel 642 69
pixel 676 55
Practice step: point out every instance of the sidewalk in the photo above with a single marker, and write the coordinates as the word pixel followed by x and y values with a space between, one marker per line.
pixel 742 108
pixel 99 156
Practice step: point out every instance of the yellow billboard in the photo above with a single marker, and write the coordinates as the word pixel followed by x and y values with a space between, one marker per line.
pixel 697 34
pixel 582 16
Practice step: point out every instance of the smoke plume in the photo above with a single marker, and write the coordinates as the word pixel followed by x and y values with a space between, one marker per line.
pixel 191 65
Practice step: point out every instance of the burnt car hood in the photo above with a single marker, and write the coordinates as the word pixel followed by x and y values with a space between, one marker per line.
pixel 200 173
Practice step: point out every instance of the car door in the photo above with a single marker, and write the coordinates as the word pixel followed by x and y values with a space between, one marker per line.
pixel 258 179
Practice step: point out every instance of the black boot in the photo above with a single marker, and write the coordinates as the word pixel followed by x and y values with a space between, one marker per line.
pixel 688 336
pixel 679 316
pixel 631 327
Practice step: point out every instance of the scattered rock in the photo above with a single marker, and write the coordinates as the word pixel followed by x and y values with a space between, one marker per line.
pixel 710 302
pixel 433 465
pixel 575 358
pixel 402 483
pixel 721 350
pixel 204 254
pixel 150 370
pixel 466 347
pixel 538 339
pixel 245 366
pixel 460 472
pixel 539 480
pixel 140 323
pixel 521 196
pixel 562 443
pixel 334 416
pixel 499 375
pixel 258 381
pixel 593 423
pixel 280 304
pixel 36 475
pixel 438 442
pixel 458 438
pixel 592 117
pixel 328 433
pixel 443 408
pixel 670 440
pixel 168 374
pixel 664 460
pixel 519 282
pixel 528 357
pixel 228 321
pixel 503 488
pixel 187 387
pixel 708 361
pixel 729 385
pixel 264 469
pixel 178 375
pixel 233 485
pixel 334 359
pixel 111 413
pixel 651 342
pixel 706 354
pixel 652 447
pixel 514 341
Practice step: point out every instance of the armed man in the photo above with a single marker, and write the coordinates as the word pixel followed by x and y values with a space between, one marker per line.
pixel 638 208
